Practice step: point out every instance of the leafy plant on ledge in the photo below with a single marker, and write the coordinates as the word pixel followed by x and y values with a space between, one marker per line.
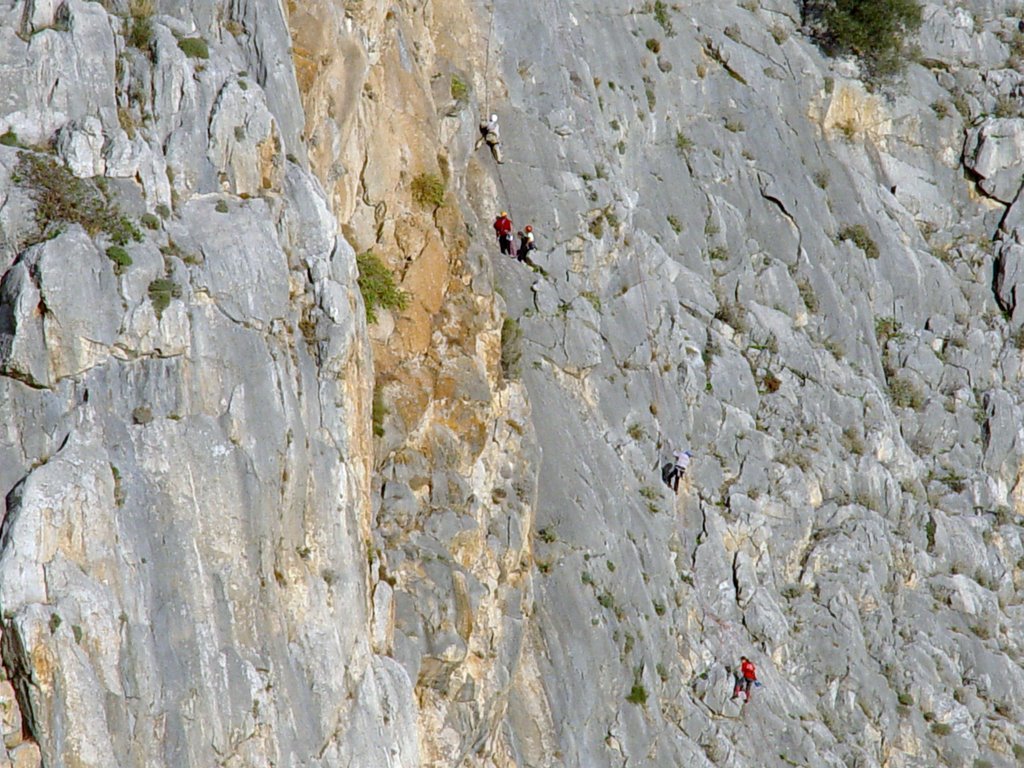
pixel 378 287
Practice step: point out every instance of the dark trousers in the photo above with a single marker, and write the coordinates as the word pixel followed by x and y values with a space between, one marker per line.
pixel 523 254
pixel 742 684
pixel 505 244
pixel 674 476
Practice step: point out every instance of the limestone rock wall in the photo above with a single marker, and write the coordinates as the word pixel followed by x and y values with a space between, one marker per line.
pixel 243 528
pixel 812 285
pixel 186 448
pixel 391 93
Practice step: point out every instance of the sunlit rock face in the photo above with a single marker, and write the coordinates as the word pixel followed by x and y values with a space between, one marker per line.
pixel 245 527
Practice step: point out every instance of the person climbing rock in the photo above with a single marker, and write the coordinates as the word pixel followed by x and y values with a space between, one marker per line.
pixel 672 473
pixel 745 679
pixel 526 245
pixel 489 134
pixel 503 229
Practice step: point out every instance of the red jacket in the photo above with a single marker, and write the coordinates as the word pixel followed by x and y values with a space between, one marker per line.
pixel 503 226
pixel 747 668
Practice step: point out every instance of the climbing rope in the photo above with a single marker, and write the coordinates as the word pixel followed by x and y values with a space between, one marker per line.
pixel 656 373
pixel 505 196
pixel 487 109
pixel 487 65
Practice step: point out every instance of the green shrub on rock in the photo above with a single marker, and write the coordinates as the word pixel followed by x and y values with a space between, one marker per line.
pixel 859 235
pixel 873 30
pixel 161 291
pixel 378 287
pixel 637 695
pixel 120 257
pixel 428 190
pixel 63 198
pixel 140 34
pixel 661 15
pixel 194 47
pixel 459 89
pixel 905 393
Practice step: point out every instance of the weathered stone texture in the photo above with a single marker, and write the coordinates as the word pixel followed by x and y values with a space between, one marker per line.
pixel 208 557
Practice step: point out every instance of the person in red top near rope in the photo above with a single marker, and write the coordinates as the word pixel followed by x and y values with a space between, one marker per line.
pixel 746 679
pixel 503 229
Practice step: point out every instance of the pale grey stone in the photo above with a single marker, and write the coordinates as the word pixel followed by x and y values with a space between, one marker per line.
pixel 80 145
pixel 243 269
pixel 230 545
pixel 993 151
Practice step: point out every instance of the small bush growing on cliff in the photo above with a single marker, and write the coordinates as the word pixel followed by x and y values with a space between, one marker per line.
pixel 428 190
pixel 683 143
pixel 906 394
pixel 859 235
pixel 120 257
pixel 140 35
pixel 889 329
pixel 873 30
pixel 1006 106
pixel 660 10
pixel 63 198
pixel 378 287
pixel 732 314
pixel 194 47
pixel 161 291
pixel 853 442
pixel 459 89
pixel 637 694
pixel 810 298
pixel 769 383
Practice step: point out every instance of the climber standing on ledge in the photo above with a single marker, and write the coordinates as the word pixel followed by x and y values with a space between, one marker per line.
pixel 746 678
pixel 489 134
pixel 503 229
pixel 673 473
pixel 526 245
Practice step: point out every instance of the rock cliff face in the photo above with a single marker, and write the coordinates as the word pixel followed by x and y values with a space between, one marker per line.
pixel 187 451
pixel 245 528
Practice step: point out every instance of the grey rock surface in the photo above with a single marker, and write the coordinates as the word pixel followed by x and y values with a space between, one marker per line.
pixel 840 406
pixel 239 529
pixel 184 564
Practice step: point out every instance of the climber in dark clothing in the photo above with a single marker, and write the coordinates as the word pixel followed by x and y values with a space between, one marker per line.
pixel 672 473
pixel 526 245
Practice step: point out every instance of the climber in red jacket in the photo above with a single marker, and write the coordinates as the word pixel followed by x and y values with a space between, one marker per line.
pixel 503 229
pixel 746 679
